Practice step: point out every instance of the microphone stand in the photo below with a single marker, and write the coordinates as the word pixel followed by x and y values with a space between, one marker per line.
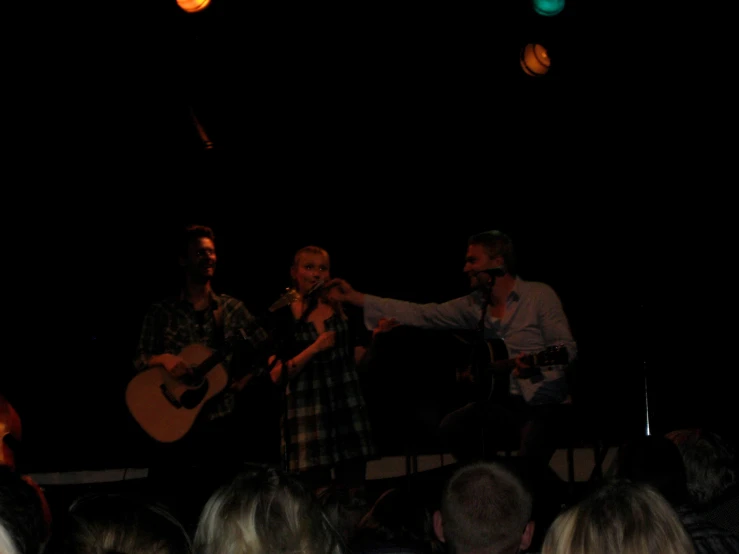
pixel 283 383
pixel 282 355
pixel 480 337
pixel 284 380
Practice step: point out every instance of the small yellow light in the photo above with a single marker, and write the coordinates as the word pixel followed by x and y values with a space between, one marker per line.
pixel 535 60
pixel 193 5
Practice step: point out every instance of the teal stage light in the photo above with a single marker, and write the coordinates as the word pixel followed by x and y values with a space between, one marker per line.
pixel 548 7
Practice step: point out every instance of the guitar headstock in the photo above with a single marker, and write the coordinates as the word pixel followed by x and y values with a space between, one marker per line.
pixel 288 297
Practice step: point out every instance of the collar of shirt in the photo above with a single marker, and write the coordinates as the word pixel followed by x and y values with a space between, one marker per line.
pixel 215 300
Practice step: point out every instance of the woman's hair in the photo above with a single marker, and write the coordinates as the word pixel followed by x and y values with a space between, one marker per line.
pixel 336 306
pixel 620 517
pixel 124 524
pixel 24 527
pixel 264 510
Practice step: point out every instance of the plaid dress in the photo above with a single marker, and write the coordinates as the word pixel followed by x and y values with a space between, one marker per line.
pixel 326 412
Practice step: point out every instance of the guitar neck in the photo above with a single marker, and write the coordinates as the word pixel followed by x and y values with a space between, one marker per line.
pixel 510 364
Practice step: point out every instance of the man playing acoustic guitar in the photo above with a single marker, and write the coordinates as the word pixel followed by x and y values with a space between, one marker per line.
pixel 524 317
pixel 185 332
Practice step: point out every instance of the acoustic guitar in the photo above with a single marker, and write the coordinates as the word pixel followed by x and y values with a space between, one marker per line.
pixel 490 369
pixel 165 406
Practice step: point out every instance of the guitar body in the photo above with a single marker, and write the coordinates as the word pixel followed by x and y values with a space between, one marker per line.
pixel 492 385
pixel 490 368
pixel 166 407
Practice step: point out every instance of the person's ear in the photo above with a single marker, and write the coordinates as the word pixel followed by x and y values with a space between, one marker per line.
pixel 528 535
pixel 438 526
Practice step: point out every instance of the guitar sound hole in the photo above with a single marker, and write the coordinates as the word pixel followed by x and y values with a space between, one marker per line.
pixel 192 397
pixel 191 380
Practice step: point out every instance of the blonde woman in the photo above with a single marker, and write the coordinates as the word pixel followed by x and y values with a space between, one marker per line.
pixel 620 517
pixel 327 425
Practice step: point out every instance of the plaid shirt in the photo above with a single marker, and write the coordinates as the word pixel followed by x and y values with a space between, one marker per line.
pixel 327 416
pixel 172 324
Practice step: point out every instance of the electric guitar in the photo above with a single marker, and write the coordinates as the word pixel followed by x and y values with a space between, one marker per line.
pixel 489 371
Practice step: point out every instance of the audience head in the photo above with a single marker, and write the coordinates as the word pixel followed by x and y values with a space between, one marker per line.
pixel 710 464
pixel 122 524
pixel 264 510
pixel 343 509
pixel 485 508
pixel 620 517
pixel 24 526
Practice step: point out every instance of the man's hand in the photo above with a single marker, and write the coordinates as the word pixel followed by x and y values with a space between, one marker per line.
pixel 524 370
pixel 521 365
pixel 384 325
pixel 175 365
pixel 341 291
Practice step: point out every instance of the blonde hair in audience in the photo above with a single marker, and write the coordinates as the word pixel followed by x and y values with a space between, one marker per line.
pixel 620 517
pixel 264 510
pixel 7 545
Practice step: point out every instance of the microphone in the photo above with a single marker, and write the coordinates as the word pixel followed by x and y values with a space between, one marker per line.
pixel 315 288
pixel 486 277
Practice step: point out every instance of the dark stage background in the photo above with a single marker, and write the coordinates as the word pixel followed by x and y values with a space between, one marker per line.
pixel 71 399
pixel 387 136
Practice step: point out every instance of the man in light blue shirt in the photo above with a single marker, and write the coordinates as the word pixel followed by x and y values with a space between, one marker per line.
pixel 526 317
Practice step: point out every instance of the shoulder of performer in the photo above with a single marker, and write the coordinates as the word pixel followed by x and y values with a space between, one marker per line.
pixel 224 298
pixel 538 288
pixel 230 302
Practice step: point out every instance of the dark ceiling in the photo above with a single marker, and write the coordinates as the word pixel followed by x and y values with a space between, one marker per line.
pixel 282 82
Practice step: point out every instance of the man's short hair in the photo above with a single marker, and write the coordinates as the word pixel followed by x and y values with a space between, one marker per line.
pixel 193 232
pixel 485 507
pixel 495 244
